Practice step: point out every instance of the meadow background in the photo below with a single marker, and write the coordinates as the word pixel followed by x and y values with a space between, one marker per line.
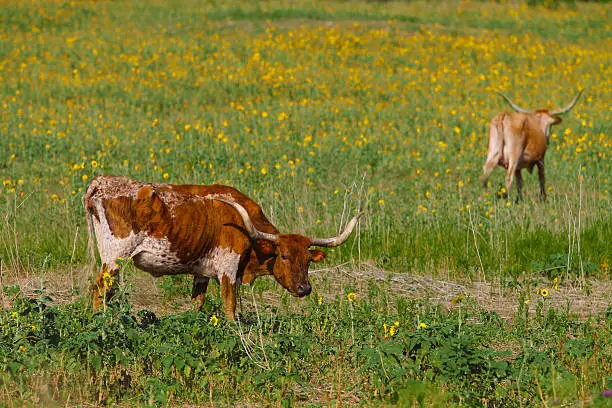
pixel 315 109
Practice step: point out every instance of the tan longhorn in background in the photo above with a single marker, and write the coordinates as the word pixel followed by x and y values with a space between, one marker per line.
pixel 518 140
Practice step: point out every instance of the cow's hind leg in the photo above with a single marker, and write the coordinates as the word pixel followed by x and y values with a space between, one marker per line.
pixel 512 171
pixel 540 165
pixel 494 154
pixel 198 291
pixel 519 186
pixel 103 287
pixel 487 169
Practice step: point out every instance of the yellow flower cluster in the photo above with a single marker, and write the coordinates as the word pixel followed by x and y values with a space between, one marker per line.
pixel 391 330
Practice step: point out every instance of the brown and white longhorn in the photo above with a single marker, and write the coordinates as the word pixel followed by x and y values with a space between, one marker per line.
pixel 518 140
pixel 205 231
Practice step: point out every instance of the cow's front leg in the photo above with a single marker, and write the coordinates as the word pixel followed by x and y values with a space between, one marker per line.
pixel 198 291
pixel 103 287
pixel 228 294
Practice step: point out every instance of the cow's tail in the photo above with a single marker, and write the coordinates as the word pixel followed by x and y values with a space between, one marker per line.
pixel 500 133
pixel 495 148
pixel 91 250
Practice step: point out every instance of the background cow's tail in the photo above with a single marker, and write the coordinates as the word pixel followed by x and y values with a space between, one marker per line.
pixel 500 133
pixel 495 149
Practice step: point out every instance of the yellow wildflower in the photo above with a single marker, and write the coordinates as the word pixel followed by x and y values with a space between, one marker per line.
pixel 422 325
pixel 457 300
pixel 214 320
pixel 544 292
pixel 351 297
pixel 108 279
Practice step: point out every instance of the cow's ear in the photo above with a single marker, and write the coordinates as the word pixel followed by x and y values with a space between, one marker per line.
pixel 317 255
pixel 557 120
pixel 266 247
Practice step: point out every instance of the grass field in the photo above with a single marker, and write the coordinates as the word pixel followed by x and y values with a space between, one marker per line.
pixel 315 109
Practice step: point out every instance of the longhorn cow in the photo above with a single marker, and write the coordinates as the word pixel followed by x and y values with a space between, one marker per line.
pixel 206 231
pixel 518 140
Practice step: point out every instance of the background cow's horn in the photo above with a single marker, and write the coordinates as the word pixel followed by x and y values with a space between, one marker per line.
pixel 514 106
pixel 568 107
pixel 254 233
pixel 335 241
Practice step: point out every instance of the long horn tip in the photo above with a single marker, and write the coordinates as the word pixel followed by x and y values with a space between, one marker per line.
pixel 338 240
pixel 357 217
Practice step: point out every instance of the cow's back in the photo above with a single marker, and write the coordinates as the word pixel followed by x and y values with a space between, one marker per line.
pixel 259 219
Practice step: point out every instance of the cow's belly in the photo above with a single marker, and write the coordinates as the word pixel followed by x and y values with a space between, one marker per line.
pixel 158 265
pixel 156 257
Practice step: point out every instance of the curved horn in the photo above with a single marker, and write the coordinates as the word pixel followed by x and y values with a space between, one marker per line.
pixel 514 106
pixel 335 241
pixel 254 233
pixel 568 107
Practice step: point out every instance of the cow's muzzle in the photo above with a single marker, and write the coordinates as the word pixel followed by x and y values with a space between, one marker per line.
pixel 304 289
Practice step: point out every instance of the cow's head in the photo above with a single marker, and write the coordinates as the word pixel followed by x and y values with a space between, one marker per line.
pixel 288 256
pixel 545 117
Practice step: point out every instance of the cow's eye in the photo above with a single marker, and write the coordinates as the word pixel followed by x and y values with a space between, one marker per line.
pixel 285 257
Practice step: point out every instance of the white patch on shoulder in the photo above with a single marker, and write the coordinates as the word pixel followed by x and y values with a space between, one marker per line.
pixel 218 263
pixel 111 247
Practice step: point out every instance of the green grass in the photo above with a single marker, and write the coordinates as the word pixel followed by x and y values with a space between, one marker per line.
pixel 376 349
pixel 311 108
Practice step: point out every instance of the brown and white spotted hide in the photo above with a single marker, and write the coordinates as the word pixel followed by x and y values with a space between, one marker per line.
pixel 181 229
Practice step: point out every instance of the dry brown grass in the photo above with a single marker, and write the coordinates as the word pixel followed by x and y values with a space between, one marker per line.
pixel 330 283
